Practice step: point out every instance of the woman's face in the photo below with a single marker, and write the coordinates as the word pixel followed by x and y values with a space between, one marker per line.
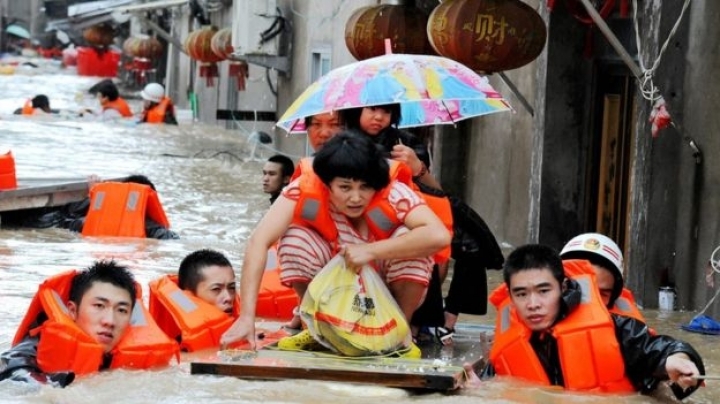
pixel 350 197
pixel 374 119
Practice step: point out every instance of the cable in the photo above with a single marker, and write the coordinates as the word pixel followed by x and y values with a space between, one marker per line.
pixel 647 87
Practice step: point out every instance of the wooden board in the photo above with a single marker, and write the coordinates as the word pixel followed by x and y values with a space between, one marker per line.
pixel 278 365
pixel 440 368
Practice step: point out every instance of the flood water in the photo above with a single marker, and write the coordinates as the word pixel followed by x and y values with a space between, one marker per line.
pixel 210 188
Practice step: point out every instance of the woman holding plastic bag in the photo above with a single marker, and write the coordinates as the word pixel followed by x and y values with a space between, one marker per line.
pixel 349 206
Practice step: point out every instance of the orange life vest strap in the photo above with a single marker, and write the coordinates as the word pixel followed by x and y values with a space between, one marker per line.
pixel 157 113
pixel 120 105
pixel 28 109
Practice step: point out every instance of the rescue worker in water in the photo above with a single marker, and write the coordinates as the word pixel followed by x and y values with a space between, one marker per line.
pixel 555 330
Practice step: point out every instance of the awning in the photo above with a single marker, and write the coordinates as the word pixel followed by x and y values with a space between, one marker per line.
pixel 152 5
pixel 94 8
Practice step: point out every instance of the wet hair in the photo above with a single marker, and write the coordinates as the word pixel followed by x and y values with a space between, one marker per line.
pixel 108 89
pixel 41 101
pixel 94 89
pixel 189 273
pixel 288 167
pixel 350 154
pixel 533 256
pixel 140 179
pixel 106 271
pixel 351 116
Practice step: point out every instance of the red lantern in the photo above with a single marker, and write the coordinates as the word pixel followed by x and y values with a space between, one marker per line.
pixel 368 27
pixel 145 48
pixel 221 45
pixel 487 35
pixel 99 35
pixel 197 46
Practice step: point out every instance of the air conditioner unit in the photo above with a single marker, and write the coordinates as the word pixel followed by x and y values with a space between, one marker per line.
pixel 257 30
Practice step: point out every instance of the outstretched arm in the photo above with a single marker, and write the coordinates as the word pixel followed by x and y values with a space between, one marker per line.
pixel 268 231
pixel 650 359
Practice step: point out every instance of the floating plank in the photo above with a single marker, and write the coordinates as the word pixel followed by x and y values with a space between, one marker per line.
pixel 440 368
pixel 391 372
pixel 40 192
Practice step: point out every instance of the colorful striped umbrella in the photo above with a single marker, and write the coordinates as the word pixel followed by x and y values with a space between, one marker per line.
pixel 430 89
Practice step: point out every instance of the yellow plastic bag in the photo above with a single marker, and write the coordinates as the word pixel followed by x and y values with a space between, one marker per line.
pixel 353 314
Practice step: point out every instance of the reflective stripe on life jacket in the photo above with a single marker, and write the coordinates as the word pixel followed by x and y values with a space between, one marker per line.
pixel 120 208
pixel 157 113
pixel 312 210
pixel 178 312
pixel 28 109
pixel 624 305
pixel 63 346
pixel 589 353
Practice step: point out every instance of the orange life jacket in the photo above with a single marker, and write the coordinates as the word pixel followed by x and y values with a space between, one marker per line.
pixel 590 355
pixel 28 109
pixel 156 114
pixel 119 209
pixel 8 180
pixel 120 105
pixel 180 313
pixel 63 346
pixel 624 305
pixel 399 172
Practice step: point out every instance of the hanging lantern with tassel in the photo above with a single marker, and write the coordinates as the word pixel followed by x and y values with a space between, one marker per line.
pixel 197 46
pixel 487 35
pixel 221 45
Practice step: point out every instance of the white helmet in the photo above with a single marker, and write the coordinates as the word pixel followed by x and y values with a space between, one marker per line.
pixel 153 92
pixel 594 243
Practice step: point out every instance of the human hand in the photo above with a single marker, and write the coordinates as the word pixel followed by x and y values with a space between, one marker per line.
pixel 682 371
pixel 93 179
pixel 472 380
pixel 408 156
pixel 356 255
pixel 242 329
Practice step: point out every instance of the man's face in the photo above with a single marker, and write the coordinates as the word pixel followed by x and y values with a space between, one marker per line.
pixel 217 287
pixel 606 283
pixel 322 128
pixel 272 179
pixel 536 293
pixel 103 313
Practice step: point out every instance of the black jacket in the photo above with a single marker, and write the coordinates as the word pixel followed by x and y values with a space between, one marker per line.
pixel 19 363
pixel 643 353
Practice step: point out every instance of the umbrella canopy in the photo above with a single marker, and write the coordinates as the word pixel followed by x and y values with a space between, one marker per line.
pixel 430 90
pixel 18 31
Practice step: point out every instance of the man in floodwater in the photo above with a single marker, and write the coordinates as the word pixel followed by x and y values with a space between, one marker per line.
pixel 555 330
pixel 81 329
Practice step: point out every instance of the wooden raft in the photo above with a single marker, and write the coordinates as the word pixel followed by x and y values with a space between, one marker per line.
pixel 428 373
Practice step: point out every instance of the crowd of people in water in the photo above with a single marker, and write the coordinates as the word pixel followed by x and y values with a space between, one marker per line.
pixel 367 194
pixel 157 106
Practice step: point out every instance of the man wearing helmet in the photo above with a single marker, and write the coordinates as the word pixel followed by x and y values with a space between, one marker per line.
pixel 607 261
pixel 157 107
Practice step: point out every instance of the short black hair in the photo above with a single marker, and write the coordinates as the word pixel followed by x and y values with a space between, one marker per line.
pixel 106 271
pixel 41 101
pixel 533 256
pixel 351 116
pixel 140 179
pixel 288 167
pixel 189 275
pixel 339 114
pixel 108 89
pixel 350 154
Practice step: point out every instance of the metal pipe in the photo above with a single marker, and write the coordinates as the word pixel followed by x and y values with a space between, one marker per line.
pixel 614 42
pixel 517 93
